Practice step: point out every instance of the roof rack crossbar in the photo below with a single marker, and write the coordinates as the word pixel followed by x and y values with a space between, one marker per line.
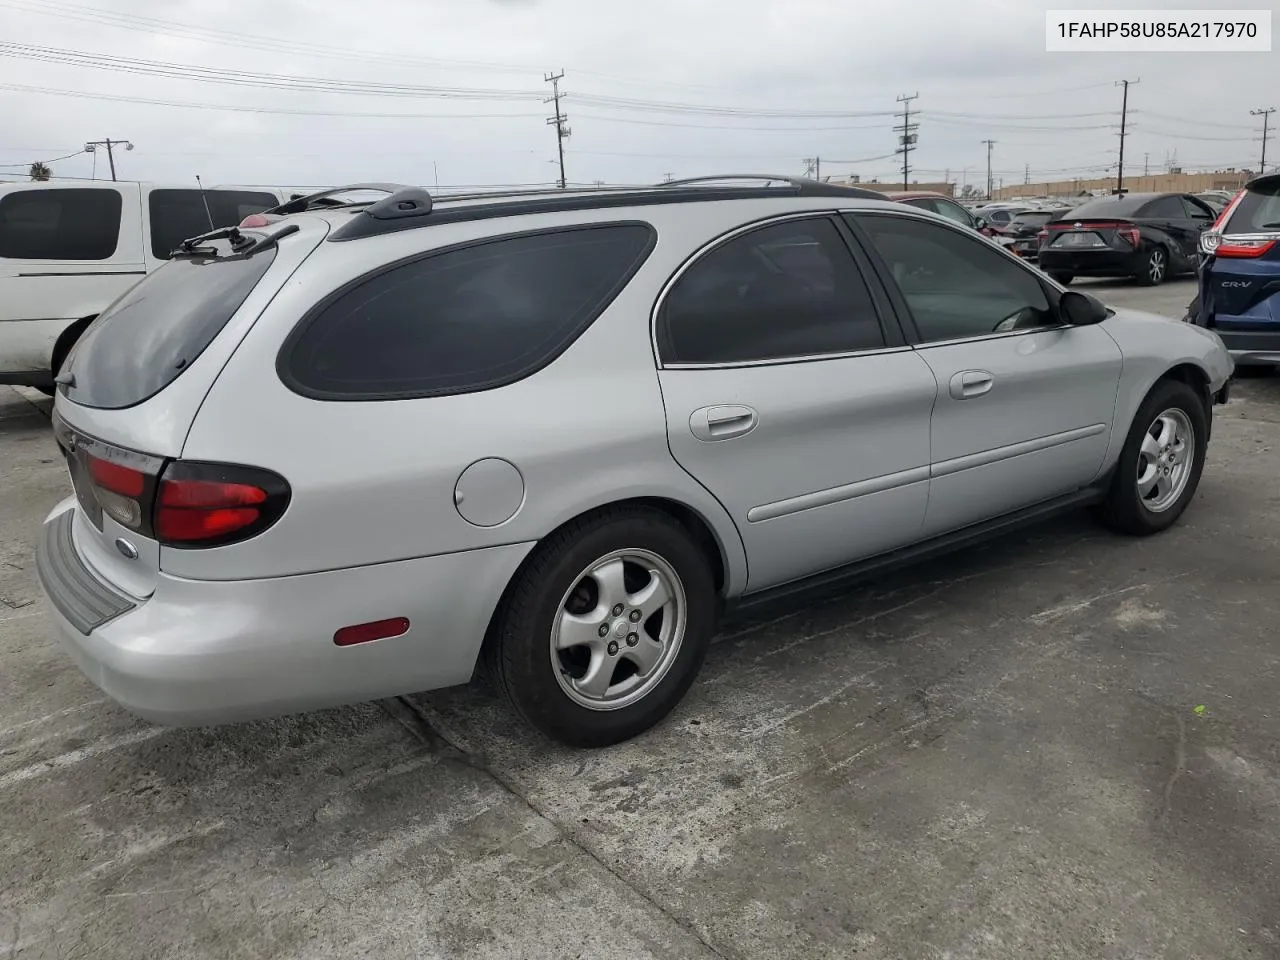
pixel 300 204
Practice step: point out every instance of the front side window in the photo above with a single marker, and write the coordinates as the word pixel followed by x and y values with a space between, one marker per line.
pixel 783 291
pixel 958 214
pixel 955 285
pixel 60 224
pixel 178 215
pixel 465 319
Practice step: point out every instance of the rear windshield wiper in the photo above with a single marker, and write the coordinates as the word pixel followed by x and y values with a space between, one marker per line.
pixel 240 244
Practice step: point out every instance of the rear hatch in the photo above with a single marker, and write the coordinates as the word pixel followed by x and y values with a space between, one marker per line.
pixel 1240 281
pixel 133 384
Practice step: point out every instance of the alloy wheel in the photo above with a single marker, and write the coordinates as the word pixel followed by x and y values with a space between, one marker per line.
pixel 1165 460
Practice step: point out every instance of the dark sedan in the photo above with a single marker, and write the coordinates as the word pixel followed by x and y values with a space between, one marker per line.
pixel 1020 234
pixel 1147 236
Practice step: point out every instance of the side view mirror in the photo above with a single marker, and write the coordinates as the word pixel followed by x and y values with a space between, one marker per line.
pixel 1080 309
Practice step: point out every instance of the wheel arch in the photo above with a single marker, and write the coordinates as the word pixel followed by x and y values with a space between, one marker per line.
pixel 66 340
pixel 699 527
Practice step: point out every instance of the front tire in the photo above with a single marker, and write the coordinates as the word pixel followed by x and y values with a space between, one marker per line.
pixel 1160 465
pixel 1156 269
pixel 605 627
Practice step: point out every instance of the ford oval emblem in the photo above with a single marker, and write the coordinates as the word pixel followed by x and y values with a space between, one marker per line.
pixel 127 549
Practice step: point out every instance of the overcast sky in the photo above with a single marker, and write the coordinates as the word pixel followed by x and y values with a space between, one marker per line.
pixel 979 66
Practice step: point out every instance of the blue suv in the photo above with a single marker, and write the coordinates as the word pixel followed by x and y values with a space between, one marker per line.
pixel 1239 293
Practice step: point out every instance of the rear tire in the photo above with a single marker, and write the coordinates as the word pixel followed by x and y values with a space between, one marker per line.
pixel 1063 278
pixel 1156 269
pixel 547 654
pixel 1157 476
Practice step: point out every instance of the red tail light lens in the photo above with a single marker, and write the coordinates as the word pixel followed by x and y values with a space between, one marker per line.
pixel 1042 236
pixel 213 504
pixel 1243 248
pixel 115 477
pixel 1131 235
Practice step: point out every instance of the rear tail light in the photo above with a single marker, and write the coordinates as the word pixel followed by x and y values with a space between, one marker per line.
pixel 213 504
pixel 1131 235
pixel 1042 236
pixel 1221 223
pixel 1240 247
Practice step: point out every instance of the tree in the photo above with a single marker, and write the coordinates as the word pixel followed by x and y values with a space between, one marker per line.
pixel 969 190
pixel 40 171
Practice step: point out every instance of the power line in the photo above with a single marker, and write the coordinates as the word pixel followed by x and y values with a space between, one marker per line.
pixel 908 138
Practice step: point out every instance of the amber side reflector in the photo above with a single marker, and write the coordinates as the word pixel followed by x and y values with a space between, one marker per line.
pixel 377 630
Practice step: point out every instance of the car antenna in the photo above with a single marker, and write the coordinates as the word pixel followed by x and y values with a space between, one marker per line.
pixel 205 201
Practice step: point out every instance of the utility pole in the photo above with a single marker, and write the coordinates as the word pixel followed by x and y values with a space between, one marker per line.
pixel 1124 116
pixel 93 145
pixel 1146 164
pixel 1266 116
pixel 907 140
pixel 562 129
pixel 1026 177
pixel 813 167
pixel 990 144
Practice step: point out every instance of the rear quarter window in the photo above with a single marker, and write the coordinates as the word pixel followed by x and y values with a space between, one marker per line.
pixel 177 215
pixel 60 224
pixel 462 319
pixel 146 339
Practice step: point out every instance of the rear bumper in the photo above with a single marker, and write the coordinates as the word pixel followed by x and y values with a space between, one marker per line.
pixel 207 652
pixel 1092 263
pixel 1251 347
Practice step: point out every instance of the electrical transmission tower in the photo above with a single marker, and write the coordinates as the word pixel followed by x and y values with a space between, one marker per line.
pixel 560 120
pixel 907 137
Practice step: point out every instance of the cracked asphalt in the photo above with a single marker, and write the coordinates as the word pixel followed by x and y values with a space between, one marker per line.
pixel 998 754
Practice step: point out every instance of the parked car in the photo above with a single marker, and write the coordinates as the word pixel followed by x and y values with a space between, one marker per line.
pixel 1000 217
pixel 943 205
pixel 1021 233
pixel 1147 236
pixel 68 249
pixel 1215 200
pixel 1239 292
pixel 346 453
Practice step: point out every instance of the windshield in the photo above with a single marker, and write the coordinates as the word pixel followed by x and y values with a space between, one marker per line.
pixel 147 338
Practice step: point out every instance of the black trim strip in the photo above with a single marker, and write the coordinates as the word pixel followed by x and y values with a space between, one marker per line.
pixel 905 556
pixel 89 273
pixel 71 586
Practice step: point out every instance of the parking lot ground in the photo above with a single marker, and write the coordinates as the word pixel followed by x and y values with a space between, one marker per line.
pixel 1063 744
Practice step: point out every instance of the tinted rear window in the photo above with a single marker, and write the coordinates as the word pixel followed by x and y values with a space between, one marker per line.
pixel 1036 218
pixel 1258 210
pixel 71 224
pixel 1109 207
pixel 177 215
pixel 465 319
pixel 143 342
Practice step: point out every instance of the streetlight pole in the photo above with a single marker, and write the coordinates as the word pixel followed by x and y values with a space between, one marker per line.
pixel 93 145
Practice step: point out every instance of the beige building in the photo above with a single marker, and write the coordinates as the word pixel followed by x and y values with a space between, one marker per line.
pixel 946 189
pixel 1155 183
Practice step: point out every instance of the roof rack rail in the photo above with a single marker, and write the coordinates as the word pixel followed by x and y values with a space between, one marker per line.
pixel 409 207
pixel 803 185
pixel 299 204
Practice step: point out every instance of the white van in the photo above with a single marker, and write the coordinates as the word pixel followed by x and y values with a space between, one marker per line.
pixel 69 248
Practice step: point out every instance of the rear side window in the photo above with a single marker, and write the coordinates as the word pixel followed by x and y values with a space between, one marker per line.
pixel 58 224
pixel 143 342
pixel 177 215
pixel 465 319
pixel 779 292
pixel 1169 208
pixel 1258 210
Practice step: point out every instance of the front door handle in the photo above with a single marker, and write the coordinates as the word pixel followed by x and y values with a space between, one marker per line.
pixel 971 383
pixel 722 422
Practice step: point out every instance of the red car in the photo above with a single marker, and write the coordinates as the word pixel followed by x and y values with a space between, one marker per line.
pixel 944 205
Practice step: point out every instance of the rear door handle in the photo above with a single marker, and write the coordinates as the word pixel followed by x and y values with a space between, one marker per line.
pixel 971 383
pixel 722 422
